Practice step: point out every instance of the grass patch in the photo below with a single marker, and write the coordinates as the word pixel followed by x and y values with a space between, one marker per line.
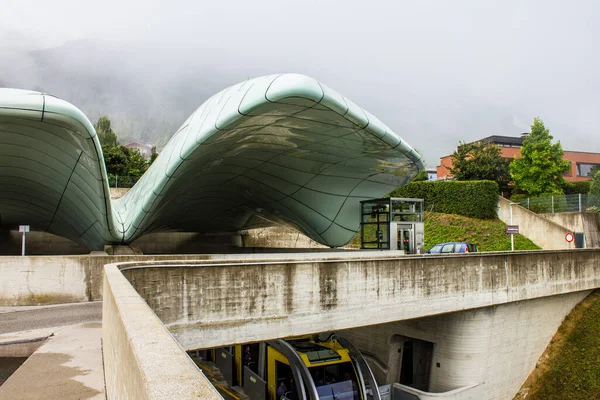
pixel 570 366
pixel 487 234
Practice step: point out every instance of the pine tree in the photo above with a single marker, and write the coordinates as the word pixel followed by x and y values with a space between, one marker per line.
pixel 541 166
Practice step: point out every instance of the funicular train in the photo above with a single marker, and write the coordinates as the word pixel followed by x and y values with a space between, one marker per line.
pixel 307 367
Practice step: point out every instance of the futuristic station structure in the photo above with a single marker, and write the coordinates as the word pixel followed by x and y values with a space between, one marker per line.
pixel 279 149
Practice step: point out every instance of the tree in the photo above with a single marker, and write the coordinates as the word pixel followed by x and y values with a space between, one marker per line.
pixel 480 161
pixel 153 155
pixel 421 176
pixel 541 166
pixel 105 133
pixel 115 159
pixel 119 160
pixel 594 193
pixel 136 162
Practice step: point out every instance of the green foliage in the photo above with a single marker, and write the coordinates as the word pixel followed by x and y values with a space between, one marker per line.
pixel 487 234
pixel 115 159
pixel 480 161
pixel 153 155
pixel 577 187
pixel 541 166
pixel 573 365
pixel 136 162
pixel 594 193
pixel 516 198
pixel 421 176
pixel 105 133
pixel 477 199
pixel 119 160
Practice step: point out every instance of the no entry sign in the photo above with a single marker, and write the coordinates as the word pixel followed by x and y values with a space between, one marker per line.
pixel 569 237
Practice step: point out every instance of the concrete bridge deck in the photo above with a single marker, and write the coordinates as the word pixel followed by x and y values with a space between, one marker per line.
pixel 199 303
pixel 214 303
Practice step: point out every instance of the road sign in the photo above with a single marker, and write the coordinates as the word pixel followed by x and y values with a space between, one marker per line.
pixel 512 229
pixel 23 228
pixel 569 237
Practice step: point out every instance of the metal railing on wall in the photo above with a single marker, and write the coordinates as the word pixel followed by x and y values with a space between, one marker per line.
pixel 561 203
pixel 118 181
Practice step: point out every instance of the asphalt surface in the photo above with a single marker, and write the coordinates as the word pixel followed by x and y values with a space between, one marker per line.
pixel 61 315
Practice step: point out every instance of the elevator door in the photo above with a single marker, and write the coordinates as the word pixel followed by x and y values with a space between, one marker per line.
pixel 406 239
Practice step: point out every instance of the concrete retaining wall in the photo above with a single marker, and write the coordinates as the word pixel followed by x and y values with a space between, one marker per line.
pixel 141 358
pixel 543 232
pixel 495 347
pixel 38 280
pixel 570 220
pixel 588 223
pixel 279 237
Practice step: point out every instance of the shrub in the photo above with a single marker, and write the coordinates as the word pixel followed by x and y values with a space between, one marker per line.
pixel 577 187
pixel 516 198
pixel 477 199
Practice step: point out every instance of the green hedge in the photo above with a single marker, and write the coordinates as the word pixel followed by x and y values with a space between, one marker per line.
pixel 477 199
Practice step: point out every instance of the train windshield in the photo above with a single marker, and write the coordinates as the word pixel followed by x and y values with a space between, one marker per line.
pixel 336 382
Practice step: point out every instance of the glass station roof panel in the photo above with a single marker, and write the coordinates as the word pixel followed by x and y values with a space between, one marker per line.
pixel 327 205
pixel 335 185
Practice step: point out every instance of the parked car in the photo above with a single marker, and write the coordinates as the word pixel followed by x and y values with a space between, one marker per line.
pixel 452 247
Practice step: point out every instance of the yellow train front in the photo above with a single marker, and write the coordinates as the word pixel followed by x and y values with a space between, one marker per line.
pixel 307 367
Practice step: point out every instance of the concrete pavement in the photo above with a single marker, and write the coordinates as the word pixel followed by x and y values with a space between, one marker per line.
pixel 67 366
pixel 28 318
pixel 65 357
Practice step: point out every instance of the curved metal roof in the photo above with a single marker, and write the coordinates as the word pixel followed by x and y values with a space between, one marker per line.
pixel 276 149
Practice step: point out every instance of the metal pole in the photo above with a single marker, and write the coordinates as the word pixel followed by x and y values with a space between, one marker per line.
pixel 23 244
pixel 528 203
pixel 552 204
pixel 512 240
pixel 116 181
pixel 579 202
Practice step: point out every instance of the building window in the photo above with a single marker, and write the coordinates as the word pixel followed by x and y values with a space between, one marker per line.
pixel 585 169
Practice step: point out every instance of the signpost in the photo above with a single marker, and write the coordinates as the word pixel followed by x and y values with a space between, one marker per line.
pixel 569 237
pixel 512 230
pixel 23 229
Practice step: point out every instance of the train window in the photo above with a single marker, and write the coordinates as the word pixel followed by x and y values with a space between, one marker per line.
pixel 316 353
pixel 337 381
pixel 286 389
pixel 250 356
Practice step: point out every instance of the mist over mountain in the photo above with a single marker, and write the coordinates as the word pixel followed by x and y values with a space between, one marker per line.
pixel 432 98
pixel 146 96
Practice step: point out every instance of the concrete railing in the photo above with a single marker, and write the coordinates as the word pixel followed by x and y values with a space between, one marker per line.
pixel 402 392
pixel 141 358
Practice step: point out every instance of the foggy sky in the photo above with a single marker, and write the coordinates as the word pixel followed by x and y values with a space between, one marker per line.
pixel 435 72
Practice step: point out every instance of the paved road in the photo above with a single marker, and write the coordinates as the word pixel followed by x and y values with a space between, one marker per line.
pixel 60 315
